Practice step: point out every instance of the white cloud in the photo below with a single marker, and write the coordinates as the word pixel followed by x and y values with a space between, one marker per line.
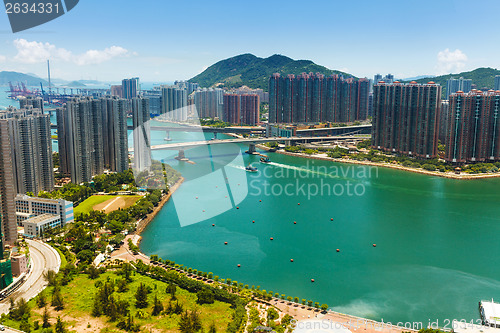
pixel 96 57
pixel 36 52
pixel 451 61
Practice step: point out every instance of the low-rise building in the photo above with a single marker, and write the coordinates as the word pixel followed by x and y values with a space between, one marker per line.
pixel 28 207
pixel 19 264
pixel 36 226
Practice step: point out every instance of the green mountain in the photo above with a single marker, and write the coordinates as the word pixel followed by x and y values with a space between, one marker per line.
pixel 75 84
pixel 481 77
pixel 254 72
pixel 15 77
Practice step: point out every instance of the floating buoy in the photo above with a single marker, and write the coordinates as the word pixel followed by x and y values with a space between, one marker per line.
pixel 331 219
pixel 374 245
pixel 291 260
pixel 238 207
pixel 203 211
pixel 216 186
pixel 253 221
pixel 196 197
pixel 294 222
pixel 225 243
pixel 213 225
pixel 271 238
pixel 338 250
pixel 239 265
pixel 226 196
pixel 298 204
pixel 312 280
pixel 260 200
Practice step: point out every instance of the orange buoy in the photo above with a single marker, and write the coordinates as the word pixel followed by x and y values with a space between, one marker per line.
pixel 196 197
pixel 331 219
pixel 374 245
pixel 260 200
pixel 271 238
pixel 226 196
pixel 294 222
pixel 203 210
pixel 225 243
pixel 291 260
pixel 338 250
pixel 312 280
pixel 213 225
pixel 298 204
pixel 239 265
pixel 253 221
pixel 238 207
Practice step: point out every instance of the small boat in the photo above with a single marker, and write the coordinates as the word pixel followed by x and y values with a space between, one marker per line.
pixel 250 168
pixel 265 159
pixel 167 139
pixel 272 150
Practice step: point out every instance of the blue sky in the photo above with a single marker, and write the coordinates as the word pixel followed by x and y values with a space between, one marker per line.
pixel 163 40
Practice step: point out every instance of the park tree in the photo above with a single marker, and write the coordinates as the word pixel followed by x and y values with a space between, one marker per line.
pixel 190 322
pixel 171 289
pixel 59 328
pixel 205 296
pixel 157 306
pixel 57 301
pixel 141 296
pixel 45 318
pixel 324 307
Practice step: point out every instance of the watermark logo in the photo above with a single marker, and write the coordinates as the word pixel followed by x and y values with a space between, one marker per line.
pixel 26 14
pixel 210 164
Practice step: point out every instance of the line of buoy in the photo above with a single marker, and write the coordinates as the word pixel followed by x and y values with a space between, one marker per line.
pixel 213 225
pixel 374 245
pixel 298 204
pixel 291 260
pixel 271 238
pixel 331 219
pixel 312 280
pixel 338 250
pixel 196 197
pixel 253 221
pixel 294 222
pixel 260 200
pixel 239 265
pixel 203 211
pixel 225 243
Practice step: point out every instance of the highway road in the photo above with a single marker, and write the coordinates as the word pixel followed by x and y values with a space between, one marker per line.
pixel 43 258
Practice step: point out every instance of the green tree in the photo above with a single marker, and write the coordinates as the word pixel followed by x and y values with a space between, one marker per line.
pixel 122 285
pixel 141 296
pixel 324 307
pixel 50 277
pixel 205 296
pixel 157 306
pixel 59 328
pixel 57 301
pixel 45 318
pixel 212 328
pixel 171 289
pixel 316 305
pixel 41 300
pixel 190 322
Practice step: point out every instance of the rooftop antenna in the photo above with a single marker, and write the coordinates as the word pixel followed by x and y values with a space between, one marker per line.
pixel 48 70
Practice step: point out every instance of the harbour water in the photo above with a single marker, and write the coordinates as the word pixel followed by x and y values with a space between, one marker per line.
pixel 436 239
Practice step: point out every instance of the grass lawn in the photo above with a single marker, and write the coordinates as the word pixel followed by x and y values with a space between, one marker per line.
pixel 78 299
pixel 90 203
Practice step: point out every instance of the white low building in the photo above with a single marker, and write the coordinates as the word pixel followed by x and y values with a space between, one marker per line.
pixel 36 226
pixel 490 313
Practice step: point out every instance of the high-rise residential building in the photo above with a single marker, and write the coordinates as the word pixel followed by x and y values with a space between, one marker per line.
pixel 155 99
pixel 130 87
pixel 92 136
pixel 209 102
pixel 309 98
pixel 115 135
pixel 188 86
pixel 241 109
pixel 444 115
pixel 31 149
pixel 80 129
pixel 174 103
pixel 389 78
pixel 142 133
pixel 7 190
pixel 497 82
pixel 473 130
pixel 116 91
pixel 377 78
pixel 25 102
pixel 405 118
pixel 454 85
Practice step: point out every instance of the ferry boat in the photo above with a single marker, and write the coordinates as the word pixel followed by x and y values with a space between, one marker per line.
pixel 264 159
pixel 250 168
